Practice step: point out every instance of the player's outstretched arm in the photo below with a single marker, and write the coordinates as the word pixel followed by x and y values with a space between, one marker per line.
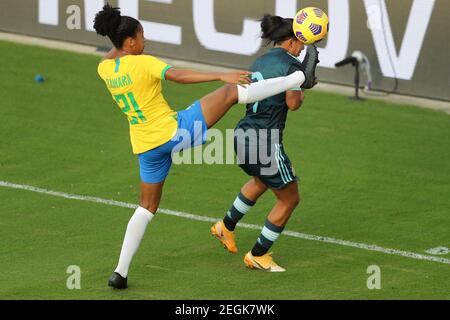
pixel 190 76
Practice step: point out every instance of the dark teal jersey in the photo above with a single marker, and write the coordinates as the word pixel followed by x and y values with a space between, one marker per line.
pixel 270 113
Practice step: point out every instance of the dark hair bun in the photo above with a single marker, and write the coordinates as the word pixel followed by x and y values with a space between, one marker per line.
pixel 276 29
pixel 107 21
pixel 269 25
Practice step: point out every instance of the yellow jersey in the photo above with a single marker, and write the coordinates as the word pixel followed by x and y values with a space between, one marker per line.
pixel 135 85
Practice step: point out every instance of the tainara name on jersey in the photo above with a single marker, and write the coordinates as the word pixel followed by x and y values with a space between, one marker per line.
pixel 119 82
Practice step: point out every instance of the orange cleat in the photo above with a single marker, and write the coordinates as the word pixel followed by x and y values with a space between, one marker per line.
pixel 264 263
pixel 225 236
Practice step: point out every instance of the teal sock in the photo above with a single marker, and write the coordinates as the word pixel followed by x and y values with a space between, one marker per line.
pixel 268 236
pixel 240 207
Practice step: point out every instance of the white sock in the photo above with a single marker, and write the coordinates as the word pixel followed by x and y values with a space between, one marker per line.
pixel 264 89
pixel 133 236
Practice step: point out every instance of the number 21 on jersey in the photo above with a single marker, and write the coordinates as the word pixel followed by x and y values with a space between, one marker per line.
pixel 126 107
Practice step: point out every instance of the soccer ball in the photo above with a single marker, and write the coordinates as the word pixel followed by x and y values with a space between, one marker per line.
pixel 310 25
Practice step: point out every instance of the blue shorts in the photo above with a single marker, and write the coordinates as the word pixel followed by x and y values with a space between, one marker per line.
pixel 192 129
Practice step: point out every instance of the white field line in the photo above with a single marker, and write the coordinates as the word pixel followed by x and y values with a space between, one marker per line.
pixel 191 216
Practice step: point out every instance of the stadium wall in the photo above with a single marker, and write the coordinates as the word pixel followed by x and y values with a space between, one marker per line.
pixel 403 39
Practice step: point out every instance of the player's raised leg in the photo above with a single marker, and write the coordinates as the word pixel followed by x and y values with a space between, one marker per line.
pixel 245 200
pixel 216 104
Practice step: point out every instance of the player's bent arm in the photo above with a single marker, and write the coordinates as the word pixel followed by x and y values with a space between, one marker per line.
pixel 190 76
pixel 294 99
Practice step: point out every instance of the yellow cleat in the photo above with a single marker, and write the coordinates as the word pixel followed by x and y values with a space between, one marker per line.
pixel 225 236
pixel 264 262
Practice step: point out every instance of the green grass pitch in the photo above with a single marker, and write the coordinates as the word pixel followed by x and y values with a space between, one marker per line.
pixel 371 173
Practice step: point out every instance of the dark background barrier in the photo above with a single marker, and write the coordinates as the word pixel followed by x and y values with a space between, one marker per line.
pixel 404 39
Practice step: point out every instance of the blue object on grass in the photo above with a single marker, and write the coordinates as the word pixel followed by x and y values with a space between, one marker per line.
pixel 39 78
